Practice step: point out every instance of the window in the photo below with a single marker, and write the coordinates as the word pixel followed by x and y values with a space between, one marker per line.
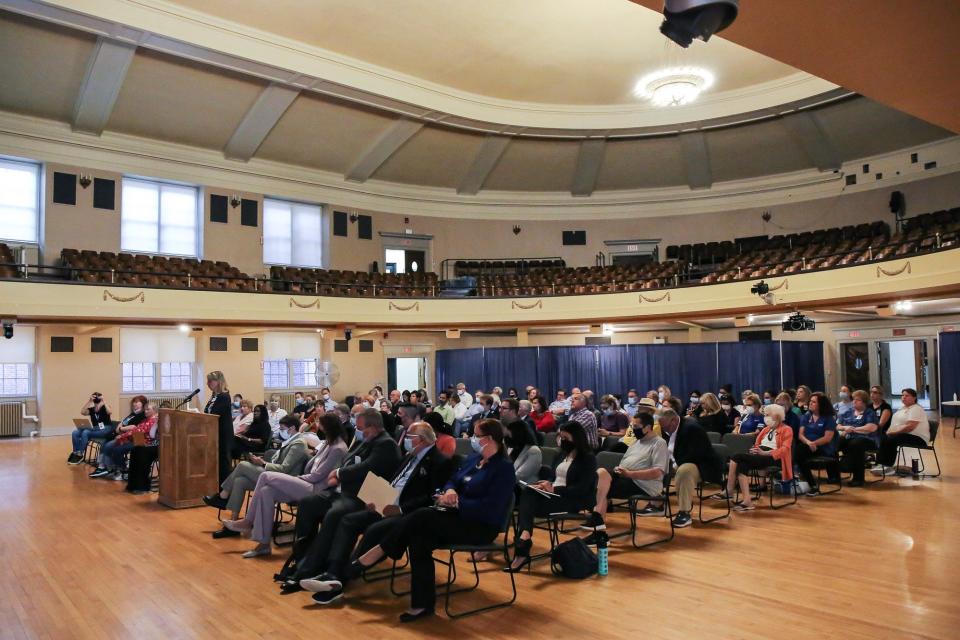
pixel 275 374
pixel 138 377
pixel 19 201
pixel 176 376
pixel 292 233
pixel 157 217
pixel 15 379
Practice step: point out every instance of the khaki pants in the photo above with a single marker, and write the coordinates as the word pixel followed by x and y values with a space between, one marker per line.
pixel 686 480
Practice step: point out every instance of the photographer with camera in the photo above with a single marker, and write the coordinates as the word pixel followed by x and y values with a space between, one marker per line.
pixel 100 426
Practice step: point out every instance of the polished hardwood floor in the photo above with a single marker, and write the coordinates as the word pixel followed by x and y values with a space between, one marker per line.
pixel 82 559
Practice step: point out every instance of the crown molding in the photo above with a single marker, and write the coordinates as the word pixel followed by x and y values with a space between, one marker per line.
pixel 179 31
pixel 54 142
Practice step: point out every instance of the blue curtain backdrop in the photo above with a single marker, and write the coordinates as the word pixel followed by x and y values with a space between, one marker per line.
pixel 949 370
pixel 617 368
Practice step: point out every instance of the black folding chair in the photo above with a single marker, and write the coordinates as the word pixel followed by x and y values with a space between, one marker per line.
pixel 724 453
pixel 633 503
pixel 902 456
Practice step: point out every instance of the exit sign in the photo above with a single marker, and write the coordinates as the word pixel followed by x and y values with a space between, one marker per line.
pixel 899 332
pixel 854 334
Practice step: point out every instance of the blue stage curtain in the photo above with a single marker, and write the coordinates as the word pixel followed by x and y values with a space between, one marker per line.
pixel 749 365
pixel 566 367
pixel 682 367
pixel 803 364
pixel 613 371
pixel 510 367
pixel 460 365
pixel 949 370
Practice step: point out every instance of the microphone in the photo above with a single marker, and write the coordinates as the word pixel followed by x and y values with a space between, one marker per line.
pixel 188 398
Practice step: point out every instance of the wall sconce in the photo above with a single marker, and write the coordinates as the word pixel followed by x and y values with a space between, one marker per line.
pixel 85 180
pixel 234 201
pixel 516 229
pixel 353 217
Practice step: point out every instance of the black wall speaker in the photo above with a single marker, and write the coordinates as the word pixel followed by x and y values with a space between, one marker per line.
pixel 898 203
pixel 574 237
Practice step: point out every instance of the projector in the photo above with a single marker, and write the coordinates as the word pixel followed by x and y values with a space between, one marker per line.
pixel 798 322
pixel 686 20
pixel 760 288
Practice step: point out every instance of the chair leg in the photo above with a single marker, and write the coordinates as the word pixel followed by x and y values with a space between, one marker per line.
pixel 633 525
pixel 820 484
pixel 794 489
pixel 451 577
pixel 702 497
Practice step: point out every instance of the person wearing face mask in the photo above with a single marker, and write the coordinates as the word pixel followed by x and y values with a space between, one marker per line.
pixel 773 443
pixel 768 397
pixel 420 475
pixel 298 398
pixel 575 483
pixel 470 510
pixel 845 404
pixel 730 413
pixel 859 433
pixel 273 487
pixel 235 406
pixel 613 422
pixel 464 396
pixel 711 415
pixel 791 418
pixel 663 393
pixel 327 400
pixel 752 419
pixel 630 408
pixel 274 414
pixel 693 407
pixel 512 393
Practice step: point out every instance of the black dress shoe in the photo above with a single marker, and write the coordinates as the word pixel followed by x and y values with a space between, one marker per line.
pixel 410 617
pixel 290 586
pixel 215 501
pixel 225 533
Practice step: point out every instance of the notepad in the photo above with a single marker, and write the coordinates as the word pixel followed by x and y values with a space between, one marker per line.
pixel 537 489
pixel 377 491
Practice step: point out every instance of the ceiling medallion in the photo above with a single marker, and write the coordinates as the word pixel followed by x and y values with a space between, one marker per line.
pixel 673 87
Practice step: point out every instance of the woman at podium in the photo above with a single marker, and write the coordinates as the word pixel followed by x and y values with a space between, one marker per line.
pixel 219 405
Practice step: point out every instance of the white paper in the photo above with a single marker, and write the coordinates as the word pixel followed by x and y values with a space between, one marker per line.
pixel 537 489
pixel 377 491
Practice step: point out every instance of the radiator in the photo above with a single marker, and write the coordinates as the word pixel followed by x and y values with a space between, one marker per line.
pixel 11 418
pixel 286 398
pixel 174 400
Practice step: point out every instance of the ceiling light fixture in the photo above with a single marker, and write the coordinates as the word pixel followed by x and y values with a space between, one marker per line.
pixel 673 87
pixel 904 305
pixel 607 330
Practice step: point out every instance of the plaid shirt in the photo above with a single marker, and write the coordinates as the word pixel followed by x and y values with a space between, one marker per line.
pixel 589 421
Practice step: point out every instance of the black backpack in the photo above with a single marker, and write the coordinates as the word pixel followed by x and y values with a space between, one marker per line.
pixel 574 559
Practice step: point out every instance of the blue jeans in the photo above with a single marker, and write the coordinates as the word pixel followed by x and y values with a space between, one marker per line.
pixel 111 456
pixel 81 437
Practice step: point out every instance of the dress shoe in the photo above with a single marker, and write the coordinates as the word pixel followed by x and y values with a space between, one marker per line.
pixel 290 586
pixel 410 617
pixel 225 533
pixel 215 501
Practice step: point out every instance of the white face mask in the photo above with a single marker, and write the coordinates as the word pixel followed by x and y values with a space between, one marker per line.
pixel 726 407
pixel 366 405
pixel 748 410
pixel 326 396
pixel 770 421
pixel 694 400
pixel 661 395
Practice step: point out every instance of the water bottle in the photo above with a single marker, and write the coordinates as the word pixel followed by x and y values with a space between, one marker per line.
pixel 602 566
pixel 915 468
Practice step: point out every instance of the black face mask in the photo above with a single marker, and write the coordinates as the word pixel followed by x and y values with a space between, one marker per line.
pixel 566 446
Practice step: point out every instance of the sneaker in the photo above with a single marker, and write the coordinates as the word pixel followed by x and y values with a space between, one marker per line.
pixel 682 519
pixel 323 583
pixel 328 596
pixel 593 539
pixel 650 511
pixel 743 507
pixel 813 493
pixel 100 472
pixel 594 522
pixel 74 458
pixel 117 476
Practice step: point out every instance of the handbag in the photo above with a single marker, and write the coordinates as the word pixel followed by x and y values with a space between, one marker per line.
pixel 575 559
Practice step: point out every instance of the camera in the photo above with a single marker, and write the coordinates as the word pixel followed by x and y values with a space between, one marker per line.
pixel 686 20
pixel 798 322
pixel 761 288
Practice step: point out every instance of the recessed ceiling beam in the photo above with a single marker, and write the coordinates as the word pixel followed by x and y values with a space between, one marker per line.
pixel 589 161
pixel 382 148
pixel 259 120
pixel 696 158
pixel 483 163
pixel 808 133
pixel 856 314
pixel 106 69
pixel 695 325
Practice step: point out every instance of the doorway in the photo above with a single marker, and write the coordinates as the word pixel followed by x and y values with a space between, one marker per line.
pixel 404 260
pixel 904 364
pixel 856 365
pixel 406 373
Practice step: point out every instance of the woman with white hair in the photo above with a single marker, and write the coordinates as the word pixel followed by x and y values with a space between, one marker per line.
pixel 773 444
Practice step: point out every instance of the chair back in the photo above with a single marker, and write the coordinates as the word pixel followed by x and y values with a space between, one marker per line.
pixel 934 428
pixel 549 456
pixel 464 448
pixel 722 450
pixel 609 442
pixel 714 436
pixel 738 443
pixel 608 460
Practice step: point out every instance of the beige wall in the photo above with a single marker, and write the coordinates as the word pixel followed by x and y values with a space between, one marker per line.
pixel 82 227
pixel 243 369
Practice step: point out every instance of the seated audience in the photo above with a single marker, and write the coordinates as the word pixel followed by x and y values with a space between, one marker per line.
pixel 640 472
pixel 859 433
pixel 881 407
pixel 561 404
pixel 692 457
pixel 445 443
pixel 663 393
pixel 613 422
pixel 471 510
pixel 112 454
pixel 98 411
pixel 801 403
pixel 135 417
pixel 817 430
pixel 768 397
pixel 141 459
pixel 512 393
pixel 752 419
pixel 445 404
pixel 581 413
pixel 243 419
pixel 845 403
pixel 542 417
pixel 909 427
pixel 235 406
pixel 289 459
pixel 773 446
pixel 693 409
pixel 523 452
pixel 256 437
pixel 791 418
pixel 274 414
pixel 273 487
pixel 711 415
pixel 729 412
pixel 326 399
pixel 574 483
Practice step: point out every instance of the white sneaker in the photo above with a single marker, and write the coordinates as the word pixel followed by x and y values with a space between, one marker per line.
pixel 117 476
pixel 321 584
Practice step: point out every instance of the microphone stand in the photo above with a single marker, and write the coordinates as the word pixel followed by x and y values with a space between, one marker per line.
pixel 185 401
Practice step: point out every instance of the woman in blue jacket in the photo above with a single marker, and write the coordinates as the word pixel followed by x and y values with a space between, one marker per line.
pixel 470 509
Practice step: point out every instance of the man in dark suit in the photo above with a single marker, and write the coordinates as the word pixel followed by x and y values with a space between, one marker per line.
pixel 372 451
pixel 694 459
pixel 423 471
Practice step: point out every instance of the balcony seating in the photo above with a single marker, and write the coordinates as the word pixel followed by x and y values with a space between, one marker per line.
pixel 7 262
pixel 153 271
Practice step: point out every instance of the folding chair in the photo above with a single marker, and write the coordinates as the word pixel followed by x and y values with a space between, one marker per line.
pixel 724 453
pixel 284 523
pixel 773 474
pixel 902 456
pixel 633 502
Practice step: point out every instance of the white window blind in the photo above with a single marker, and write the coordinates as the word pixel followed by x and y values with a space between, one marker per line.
pixel 159 218
pixel 275 374
pixel 19 201
pixel 20 348
pixel 292 233
pixel 278 345
pixel 156 345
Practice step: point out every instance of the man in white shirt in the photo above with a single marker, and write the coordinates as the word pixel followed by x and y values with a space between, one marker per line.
pixel 329 403
pixel 561 405
pixel 630 406
pixel 909 427
pixel 274 414
pixel 465 398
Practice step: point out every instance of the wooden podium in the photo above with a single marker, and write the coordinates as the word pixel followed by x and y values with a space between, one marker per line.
pixel 189 459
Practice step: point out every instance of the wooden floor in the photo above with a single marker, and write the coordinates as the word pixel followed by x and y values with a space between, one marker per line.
pixel 80 558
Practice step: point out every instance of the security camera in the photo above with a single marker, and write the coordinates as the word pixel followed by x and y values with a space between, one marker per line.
pixel 8 327
pixel 686 20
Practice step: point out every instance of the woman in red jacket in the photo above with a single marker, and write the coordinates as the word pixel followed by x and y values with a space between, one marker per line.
pixel 774 444
pixel 542 417
pixel 114 451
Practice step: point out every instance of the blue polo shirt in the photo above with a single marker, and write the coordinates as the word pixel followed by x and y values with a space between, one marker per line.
pixel 751 423
pixel 814 430
pixel 850 419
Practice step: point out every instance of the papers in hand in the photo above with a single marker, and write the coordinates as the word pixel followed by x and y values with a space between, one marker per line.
pixel 377 491
pixel 527 485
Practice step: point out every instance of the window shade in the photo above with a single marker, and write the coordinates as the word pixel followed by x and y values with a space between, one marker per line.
pixel 20 348
pixel 292 233
pixel 158 218
pixel 156 345
pixel 295 346
pixel 19 201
